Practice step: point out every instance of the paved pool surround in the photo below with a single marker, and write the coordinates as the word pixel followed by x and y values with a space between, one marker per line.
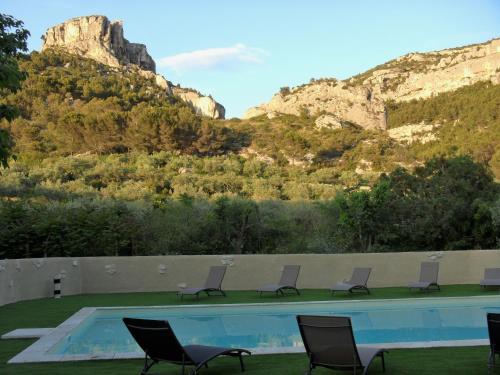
pixel 24 279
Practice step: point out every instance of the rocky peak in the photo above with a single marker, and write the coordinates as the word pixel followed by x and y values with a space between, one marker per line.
pixel 97 38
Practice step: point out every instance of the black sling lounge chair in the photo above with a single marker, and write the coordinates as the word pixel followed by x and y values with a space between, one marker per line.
pixel 428 277
pixel 213 283
pixel 358 281
pixel 159 342
pixel 494 334
pixel 329 343
pixel 288 280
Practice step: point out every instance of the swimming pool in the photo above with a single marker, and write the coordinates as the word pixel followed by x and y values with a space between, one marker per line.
pixel 98 333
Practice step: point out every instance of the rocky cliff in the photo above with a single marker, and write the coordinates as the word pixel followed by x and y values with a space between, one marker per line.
pixel 422 75
pixel 97 38
pixel 353 104
pixel 360 99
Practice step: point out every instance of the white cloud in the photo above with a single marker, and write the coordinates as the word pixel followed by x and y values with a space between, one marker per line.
pixel 211 58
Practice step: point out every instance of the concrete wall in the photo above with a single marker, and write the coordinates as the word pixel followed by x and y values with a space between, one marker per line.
pixel 23 279
pixel 29 279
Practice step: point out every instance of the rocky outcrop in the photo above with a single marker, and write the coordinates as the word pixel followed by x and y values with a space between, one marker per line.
pixel 97 38
pixel 408 134
pixel 202 105
pixel 361 98
pixel 327 122
pixel 353 104
pixel 255 111
pixel 158 79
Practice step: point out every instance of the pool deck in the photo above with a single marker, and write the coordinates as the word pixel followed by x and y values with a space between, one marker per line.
pixel 27 333
pixel 39 351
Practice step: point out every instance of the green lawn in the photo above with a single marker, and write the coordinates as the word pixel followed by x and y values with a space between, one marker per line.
pixel 50 313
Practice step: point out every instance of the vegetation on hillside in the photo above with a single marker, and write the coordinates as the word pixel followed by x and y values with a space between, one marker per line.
pixel 109 164
pixel 469 118
pixel 446 204
pixel 71 105
pixel 165 175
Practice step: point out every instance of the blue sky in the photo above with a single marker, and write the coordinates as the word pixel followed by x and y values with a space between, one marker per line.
pixel 242 52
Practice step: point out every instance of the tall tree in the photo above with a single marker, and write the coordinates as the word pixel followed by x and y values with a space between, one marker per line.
pixel 13 39
pixel 444 204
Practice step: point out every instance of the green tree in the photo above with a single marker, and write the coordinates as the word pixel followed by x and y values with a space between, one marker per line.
pixel 162 128
pixel 238 225
pixel 12 41
pixel 363 216
pixel 442 205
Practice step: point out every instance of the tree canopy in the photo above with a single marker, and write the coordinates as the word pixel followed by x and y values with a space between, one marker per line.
pixel 13 41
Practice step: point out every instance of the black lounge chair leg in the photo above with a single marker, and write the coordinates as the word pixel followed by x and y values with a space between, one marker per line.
pixel 147 365
pixel 309 371
pixel 242 366
pixel 223 293
pixel 298 293
pixel 383 362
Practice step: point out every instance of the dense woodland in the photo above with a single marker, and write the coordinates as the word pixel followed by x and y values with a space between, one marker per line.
pixel 107 164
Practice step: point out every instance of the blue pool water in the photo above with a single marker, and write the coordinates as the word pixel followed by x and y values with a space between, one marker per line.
pixel 273 326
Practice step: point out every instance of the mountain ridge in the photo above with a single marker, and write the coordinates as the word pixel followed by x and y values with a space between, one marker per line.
pixel 361 99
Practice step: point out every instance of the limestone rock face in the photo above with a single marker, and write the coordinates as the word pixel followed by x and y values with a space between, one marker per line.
pixel 353 104
pixel 203 105
pixel 422 75
pixel 361 98
pixel 327 122
pixel 97 38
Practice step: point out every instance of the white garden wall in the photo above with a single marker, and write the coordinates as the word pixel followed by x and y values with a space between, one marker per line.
pixel 25 279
